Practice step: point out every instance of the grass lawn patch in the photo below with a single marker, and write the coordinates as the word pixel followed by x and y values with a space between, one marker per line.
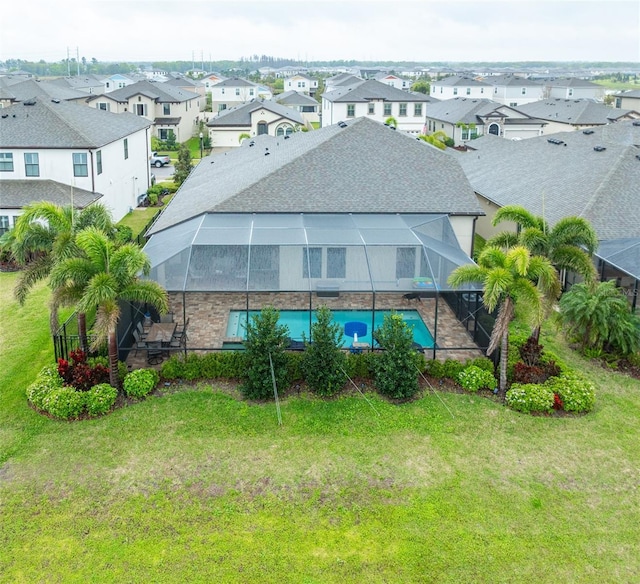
pixel 195 485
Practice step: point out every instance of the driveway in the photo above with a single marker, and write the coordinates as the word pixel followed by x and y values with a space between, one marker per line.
pixel 163 173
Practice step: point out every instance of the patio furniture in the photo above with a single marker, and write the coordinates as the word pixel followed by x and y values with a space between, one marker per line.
pixel 166 318
pixel 138 343
pixel 154 353
pixel 161 332
pixel 180 333
pixel 355 329
pixel 141 331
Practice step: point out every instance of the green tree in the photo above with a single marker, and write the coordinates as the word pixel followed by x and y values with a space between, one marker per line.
pixel 183 165
pixel 600 318
pixel 44 235
pixel 323 361
pixel 102 276
pixel 436 139
pixel 171 140
pixel 421 87
pixel 515 282
pixel 391 121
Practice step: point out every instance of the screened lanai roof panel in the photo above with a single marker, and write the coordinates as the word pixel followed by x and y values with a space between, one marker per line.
pixel 167 244
pixel 277 221
pixel 333 237
pixel 328 221
pixel 215 220
pixel 374 221
pixel 389 237
pixel 278 237
pixel 223 236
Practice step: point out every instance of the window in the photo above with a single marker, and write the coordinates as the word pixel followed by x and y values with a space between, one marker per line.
pixel 513 104
pixel 351 110
pixel 31 164
pixel 104 106
pixel 440 89
pixel 163 133
pixel 166 109
pixel 417 109
pixel 570 92
pixel 4 224
pixel 482 90
pixel 251 92
pixel 403 109
pixel 468 90
pixel 405 262
pixel 455 91
pixel 126 148
pixel 312 263
pixel 336 262
pixel 284 130
pixel 371 108
pixel 524 91
pixel 262 128
pixel 308 108
pixel 300 84
pixel 80 167
pixel 387 109
pixel 6 162
pixel 237 91
pixel 99 161
pixel 223 91
pixel 141 109
pixel 469 133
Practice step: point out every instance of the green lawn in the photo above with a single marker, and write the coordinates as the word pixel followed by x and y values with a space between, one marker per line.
pixel 197 486
pixel 618 85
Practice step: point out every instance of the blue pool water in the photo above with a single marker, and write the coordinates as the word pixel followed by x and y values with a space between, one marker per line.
pixel 297 322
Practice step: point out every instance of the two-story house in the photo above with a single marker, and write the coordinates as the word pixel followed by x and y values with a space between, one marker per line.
pixel 460 86
pixel 253 119
pixel 192 85
pixel 21 89
pixel 306 105
pixel 70 154
pixel 376 101
pixel 235 91
pixel 168 108
pixel 91 84
pixel 627 99
pixel 513 90
pixel 301 83
pixel 464 119
pixel 393 80
pixel 210 80
pixel 572 88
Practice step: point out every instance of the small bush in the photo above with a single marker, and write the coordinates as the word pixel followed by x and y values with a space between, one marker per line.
pixel 361 365
pixel 64 403
pixel 530 352
pixel 140 382
pixel 434 368
pixel 100 399
pixel 529 398
pixel 472 378
pixel 577 393
pixel 452 368
pixel 523 373
pixel 483 363
pixel 172 368
pixel 47 380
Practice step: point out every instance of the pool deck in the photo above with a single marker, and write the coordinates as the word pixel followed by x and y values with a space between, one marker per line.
pixel 208 315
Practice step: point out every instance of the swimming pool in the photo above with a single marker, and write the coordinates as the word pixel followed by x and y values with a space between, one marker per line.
pixel 297 322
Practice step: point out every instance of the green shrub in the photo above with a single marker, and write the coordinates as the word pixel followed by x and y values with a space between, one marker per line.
pixel 360 364
pixel 64 402
pixel 434 368
pixel 265 345
pixel 396 373
pixel 483 363
pixel 140 382
pixel 576 392
pixel 46 381
pixel 172 368
pixel 100 399
pixel 323 360
pixel 452 368
pixel 529 398
pixel 472 378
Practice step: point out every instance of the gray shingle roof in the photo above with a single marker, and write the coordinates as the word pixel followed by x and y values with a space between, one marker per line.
pixel 569 82
pixel 364 91
pixel 160 92
pixel 364 167
pixel 572 111
pixel 457 81
pixel 511 81
pixel 628 93
pixel 240 115
pixel 15 194
pixel 236 82
pixel 30 88
pixel 468 110
pixel 559 180
pixel 64 125
pixel 623 254
pixel 295 98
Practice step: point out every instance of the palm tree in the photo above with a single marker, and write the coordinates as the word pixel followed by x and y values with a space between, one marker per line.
pixel 436 139
pixel 44 235
pixel 102 276
pixel 515 282
pixel 569 245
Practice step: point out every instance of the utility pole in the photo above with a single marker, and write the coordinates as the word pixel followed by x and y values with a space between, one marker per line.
pixel 68 64
pixel 78 60
pixel 202 59
pixel 193 60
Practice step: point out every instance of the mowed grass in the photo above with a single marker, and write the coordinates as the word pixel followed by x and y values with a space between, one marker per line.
pixel 193 485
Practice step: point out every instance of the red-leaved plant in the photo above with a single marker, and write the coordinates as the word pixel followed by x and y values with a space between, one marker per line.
pixel 79 374
pixel 557 402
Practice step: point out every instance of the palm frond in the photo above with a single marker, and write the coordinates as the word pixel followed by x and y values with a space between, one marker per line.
pixel 517 214
pixel 492 257
pixel 35 272
pixel 147 292
pixel 575 231
pixel 497 284
pixel 518 259
pixel 504 240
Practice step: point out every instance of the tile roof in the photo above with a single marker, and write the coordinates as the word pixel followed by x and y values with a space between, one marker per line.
pixel 47 124
pixel 559 180
pixel 240 115
pixel 573 111
pixel 364 91
pixel 158 91
pixel 15 194
pixel 363 167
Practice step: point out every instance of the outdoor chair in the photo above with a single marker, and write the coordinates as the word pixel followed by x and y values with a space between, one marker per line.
pixel 154 353
pixel 180 334
pixel 138 343
pixel 141 331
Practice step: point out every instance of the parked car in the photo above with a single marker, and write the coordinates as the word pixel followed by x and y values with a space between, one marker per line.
pixel 158 161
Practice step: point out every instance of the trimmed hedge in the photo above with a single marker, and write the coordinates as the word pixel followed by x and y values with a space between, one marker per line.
pixel 529 398
pixel 576 392
pixel 100 399
pixel 472 379
pixel 140 382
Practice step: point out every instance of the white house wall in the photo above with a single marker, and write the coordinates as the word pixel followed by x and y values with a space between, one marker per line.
pixel 334 112
pixel 463 228
pixel 513 95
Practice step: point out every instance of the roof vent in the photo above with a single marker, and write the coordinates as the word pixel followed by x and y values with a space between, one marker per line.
pixel 29 102
pixel 55 100
pixel 555 141
pixel 287 137
pixel 252 143
pixel 267 153
pixel 599 148
pixel 5 116
pixel 636 123
pixel 587 131
pixel 392 127
pixel 342 124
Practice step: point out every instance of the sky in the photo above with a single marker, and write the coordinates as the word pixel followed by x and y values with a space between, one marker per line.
pixel 321 30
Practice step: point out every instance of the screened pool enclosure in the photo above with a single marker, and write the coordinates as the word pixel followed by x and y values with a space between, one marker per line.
pixel 219 263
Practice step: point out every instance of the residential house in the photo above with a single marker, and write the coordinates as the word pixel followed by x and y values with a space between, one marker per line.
pixel 15 89
pixel 235 91
pixel 464 119
pixel 254 118
pixel 572 88
pixel 627 99
pixel 513 90
pixel 191 85
pixel 88 153
pixel 376 101
pixel 393 80
pixel 211 79
pixel 168 108
pixel 593 173
pixel 301 83
pixel 460 86
pixel 297 223
pixel 91 84
pixel 308 107
pixel 561 115
pixel 118 81
pixel 340 80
